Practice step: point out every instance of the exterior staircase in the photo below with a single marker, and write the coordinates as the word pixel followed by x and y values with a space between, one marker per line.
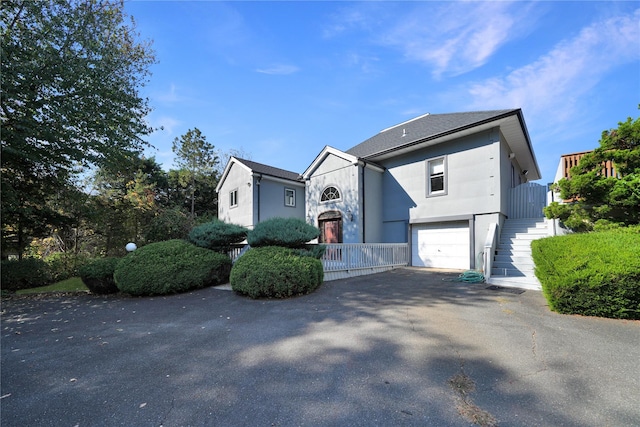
pixel 512 262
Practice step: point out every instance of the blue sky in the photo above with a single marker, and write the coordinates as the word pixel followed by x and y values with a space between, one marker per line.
pixel 280 80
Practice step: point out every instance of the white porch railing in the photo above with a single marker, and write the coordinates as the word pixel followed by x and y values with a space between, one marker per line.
pixel 343 260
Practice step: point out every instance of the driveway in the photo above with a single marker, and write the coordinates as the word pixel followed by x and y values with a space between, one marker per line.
pixel 409 347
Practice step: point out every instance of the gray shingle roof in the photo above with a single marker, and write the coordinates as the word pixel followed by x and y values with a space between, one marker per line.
pixel 422 128
pixel 270 170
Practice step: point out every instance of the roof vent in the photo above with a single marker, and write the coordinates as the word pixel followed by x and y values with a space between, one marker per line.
pixel 404 133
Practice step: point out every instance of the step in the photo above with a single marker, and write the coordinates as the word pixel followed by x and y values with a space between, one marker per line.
pixel 512 272
pixel 529 283
pixel 527 267
pixel 519 258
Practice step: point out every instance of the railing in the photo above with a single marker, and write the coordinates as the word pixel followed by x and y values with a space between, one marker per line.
pixel 237 250
pixel 356 256
pixel 489 249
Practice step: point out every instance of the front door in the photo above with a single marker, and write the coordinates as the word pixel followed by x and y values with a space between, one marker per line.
pixel 331 231
pixel 330 224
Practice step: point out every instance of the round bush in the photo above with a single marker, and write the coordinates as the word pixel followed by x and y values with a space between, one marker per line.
pixel 275 272
pixel 287 232
pixel 170 267
pixel 217 235
pixel 97 275
pixel 26 273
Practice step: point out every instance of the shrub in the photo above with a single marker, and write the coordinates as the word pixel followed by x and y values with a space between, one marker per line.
pixel 63 265
pixel 286 232
pixel 170 267
pixel 593 274
pixel 97 275
pixel 26 273
pixel 275 272
pixel 217 235
pixel 167 225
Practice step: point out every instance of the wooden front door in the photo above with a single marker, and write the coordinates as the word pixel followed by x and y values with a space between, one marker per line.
pixel 330 224
pixel 331 231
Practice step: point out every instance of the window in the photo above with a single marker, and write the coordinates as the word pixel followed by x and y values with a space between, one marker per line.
pixel 436 169
pixel 330 193
pixel 233 198
pixel 289 197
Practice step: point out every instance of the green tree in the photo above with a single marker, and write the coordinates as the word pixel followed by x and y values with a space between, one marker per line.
pixel 602 199
pixel 197 159
pixel 70 77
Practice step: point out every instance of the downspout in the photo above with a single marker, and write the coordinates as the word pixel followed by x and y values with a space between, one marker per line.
pixel 258 179
pixel 364 234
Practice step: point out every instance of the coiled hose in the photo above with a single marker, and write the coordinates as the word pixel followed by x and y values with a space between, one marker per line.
pixel 469 276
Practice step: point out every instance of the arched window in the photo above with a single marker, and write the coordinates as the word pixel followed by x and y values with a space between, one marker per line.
pixel 330 193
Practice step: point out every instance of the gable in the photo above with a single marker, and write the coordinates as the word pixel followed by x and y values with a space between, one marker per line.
pixel 255 168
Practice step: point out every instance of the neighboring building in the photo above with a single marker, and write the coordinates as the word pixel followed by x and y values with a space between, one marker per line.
pixel 437 182
pixel 567 161
pixel 250 192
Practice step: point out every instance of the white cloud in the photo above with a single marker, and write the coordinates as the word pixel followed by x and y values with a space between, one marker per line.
pixel 557 81
pixel 459 36
pixel 279 69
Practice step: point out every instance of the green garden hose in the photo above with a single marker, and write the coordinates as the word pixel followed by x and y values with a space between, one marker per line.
pixel 469 276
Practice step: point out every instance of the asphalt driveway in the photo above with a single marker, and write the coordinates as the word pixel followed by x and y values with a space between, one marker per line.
pixel 403 348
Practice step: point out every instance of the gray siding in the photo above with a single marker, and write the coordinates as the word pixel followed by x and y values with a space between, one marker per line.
pixel 239 178
pixel 372 196
pixel 473 182
pixel 269 200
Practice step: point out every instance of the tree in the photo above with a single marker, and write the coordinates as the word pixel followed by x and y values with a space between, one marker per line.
pixel 602 199
pixel 70 77
pixel 197 158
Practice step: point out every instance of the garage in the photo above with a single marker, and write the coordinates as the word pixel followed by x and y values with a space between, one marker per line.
pixel 441 245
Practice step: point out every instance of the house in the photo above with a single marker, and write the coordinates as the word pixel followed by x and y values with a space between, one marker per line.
pixel 250 192
pixel 436 182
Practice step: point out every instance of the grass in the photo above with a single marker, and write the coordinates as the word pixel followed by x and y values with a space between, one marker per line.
pixel 74 284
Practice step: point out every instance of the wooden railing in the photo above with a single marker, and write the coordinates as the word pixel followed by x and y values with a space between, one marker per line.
pixel 355 256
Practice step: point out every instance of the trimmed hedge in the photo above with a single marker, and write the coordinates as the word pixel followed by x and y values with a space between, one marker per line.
pixel 26 273
pixel 97 275
pixel 593 274
pixel 286 232
pixel 275 272
pixel 217 235
pixel 170 267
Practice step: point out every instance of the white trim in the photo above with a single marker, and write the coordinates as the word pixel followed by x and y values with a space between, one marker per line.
pixel 231 197
pixel 326 151
pixel 445 177
pixel 293 205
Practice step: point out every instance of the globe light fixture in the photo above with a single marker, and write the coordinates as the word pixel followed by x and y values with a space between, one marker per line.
pixel 131 247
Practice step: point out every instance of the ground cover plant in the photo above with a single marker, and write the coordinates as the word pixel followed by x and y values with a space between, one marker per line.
pixel 593 274
pixel 275 272
pixel 170 267
pixel 97 275
pixel 72 284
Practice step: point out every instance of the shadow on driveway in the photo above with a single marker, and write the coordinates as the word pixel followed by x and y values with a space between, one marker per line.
pixel 373 350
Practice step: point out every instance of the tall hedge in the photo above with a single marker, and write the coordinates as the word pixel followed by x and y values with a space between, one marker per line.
pixel 170 267
pixel 26 273
pixel 285 232
pixel 275 272
pixel 593 274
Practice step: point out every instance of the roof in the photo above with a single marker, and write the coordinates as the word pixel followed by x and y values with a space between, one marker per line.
pixel 269 170
pixel 425 127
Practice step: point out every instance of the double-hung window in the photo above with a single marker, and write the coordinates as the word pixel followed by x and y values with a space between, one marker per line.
pixel 436 177
pixel 233 198
pixel 289 197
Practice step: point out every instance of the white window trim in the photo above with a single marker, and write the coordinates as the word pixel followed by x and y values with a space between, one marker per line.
pixel 445 177
pixel 233 198
pixel 286 199
pixel 331 200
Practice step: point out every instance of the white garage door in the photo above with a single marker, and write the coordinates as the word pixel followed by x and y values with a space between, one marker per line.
pixel 440 245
